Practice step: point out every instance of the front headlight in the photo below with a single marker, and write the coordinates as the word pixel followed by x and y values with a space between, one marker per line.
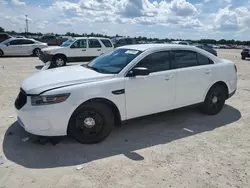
pixel 49 99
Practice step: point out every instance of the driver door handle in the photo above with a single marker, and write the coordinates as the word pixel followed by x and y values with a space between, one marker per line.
pixel 168 77
pixel 84 50
pixel 98 49
pixel 207 71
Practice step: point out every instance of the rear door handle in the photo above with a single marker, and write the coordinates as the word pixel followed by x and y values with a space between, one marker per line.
pixel 84 50
pixel 98 49
pixel 168 77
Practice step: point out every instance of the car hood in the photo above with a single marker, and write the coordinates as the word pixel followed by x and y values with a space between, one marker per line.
pixel 61 77
pixel 52 48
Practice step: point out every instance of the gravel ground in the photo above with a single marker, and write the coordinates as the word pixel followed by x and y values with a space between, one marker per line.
pixel 181 148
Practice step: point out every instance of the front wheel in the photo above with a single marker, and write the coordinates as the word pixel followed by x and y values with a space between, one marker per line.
pixel 1 53
pixel 59 61
pixel 91 123
pixel 243 57
pixel 214 100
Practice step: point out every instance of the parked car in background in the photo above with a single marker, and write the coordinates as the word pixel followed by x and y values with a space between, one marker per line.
pixel 21 46
pixel 86 101
pixel 245 53
pixel 51 40
pixel 4 36
pixel 78 49
pixel 122 41
pixel 180 42
pixel 207 48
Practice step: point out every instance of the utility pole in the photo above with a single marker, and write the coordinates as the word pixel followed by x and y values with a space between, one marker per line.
pixel 27 24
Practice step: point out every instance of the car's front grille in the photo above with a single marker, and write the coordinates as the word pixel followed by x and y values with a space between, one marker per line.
pixel 21 99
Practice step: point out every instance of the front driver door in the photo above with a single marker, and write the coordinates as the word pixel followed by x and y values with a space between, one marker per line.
pixel 78 50
pixel 153 93
pixel 13 47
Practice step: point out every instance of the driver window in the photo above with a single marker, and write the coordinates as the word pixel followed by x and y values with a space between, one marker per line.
pixel 156 62
pixel 80 44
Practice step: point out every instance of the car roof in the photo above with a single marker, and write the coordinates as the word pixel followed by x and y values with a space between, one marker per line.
pixel 89 38
pixel 144 47
pixel 153 47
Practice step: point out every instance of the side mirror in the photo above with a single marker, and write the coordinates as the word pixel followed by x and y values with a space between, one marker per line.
pixel 7 44
pixel 138 71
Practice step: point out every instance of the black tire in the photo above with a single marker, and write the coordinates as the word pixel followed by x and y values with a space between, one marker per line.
pixel 1 53
pixel 36 52
pixel 59 61
pixel 243 57
pixel 215 100
pixel 103 119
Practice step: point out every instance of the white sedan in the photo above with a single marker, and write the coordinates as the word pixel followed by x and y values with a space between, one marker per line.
pixel 86 101
pixel 21 46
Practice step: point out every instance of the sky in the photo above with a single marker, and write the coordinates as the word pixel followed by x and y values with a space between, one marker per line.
pixel 178 19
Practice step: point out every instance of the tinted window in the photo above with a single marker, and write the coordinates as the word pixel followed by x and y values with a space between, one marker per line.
pixel 27 42
pixel 106 43
pixel 203 60
pixel 159 61
pixel 15 42
pixel 184 58
pixel 121 41
pixel 80 44
pixel 94 43
pixel 129 41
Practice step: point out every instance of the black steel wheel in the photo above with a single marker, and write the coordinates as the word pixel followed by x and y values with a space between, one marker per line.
pixel 215 100
pixel 91 123
pixel 36 52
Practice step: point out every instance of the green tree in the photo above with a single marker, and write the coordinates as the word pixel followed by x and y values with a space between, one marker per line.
pixel 1 29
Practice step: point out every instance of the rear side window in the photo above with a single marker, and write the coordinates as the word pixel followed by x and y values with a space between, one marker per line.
pixel 106 43
pixel 94 43
pixel 156 62
pixel 27 42
pixel 202 60
pixel 185 58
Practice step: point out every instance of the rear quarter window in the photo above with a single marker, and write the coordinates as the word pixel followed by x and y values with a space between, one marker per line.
pixel 107 43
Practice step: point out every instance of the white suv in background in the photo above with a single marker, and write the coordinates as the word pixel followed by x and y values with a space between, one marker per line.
pixel 86 101
pixel 79 49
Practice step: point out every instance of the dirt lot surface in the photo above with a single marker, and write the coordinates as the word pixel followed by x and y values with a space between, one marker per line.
pixel 182 148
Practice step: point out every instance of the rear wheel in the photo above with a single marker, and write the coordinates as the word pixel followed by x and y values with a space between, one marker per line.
pixel 36 52
pixel 1 53
pixel 59 61
pixel 91 123
pixel 215 100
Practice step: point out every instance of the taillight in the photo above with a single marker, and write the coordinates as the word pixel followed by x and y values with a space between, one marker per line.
pixel 235 67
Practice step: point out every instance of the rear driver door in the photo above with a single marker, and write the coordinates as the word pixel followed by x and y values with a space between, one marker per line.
pixel 194 76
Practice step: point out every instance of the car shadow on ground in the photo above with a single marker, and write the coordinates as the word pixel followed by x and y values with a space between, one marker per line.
pixel 134 135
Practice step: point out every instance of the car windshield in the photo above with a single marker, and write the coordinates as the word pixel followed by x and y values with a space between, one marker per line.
pixel 6 41
pixel 68 43
pixel 114 61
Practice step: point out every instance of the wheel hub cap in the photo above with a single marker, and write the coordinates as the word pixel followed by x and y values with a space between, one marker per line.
pixel 89 122
pixel 59 62
pixel 215 100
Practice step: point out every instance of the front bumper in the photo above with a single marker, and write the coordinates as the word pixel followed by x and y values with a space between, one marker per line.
pixel 245 54
pixel 44 57
pixel 46 120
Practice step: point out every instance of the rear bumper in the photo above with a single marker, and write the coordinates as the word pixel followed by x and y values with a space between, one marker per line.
pixel 44 57
pixel 231 94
